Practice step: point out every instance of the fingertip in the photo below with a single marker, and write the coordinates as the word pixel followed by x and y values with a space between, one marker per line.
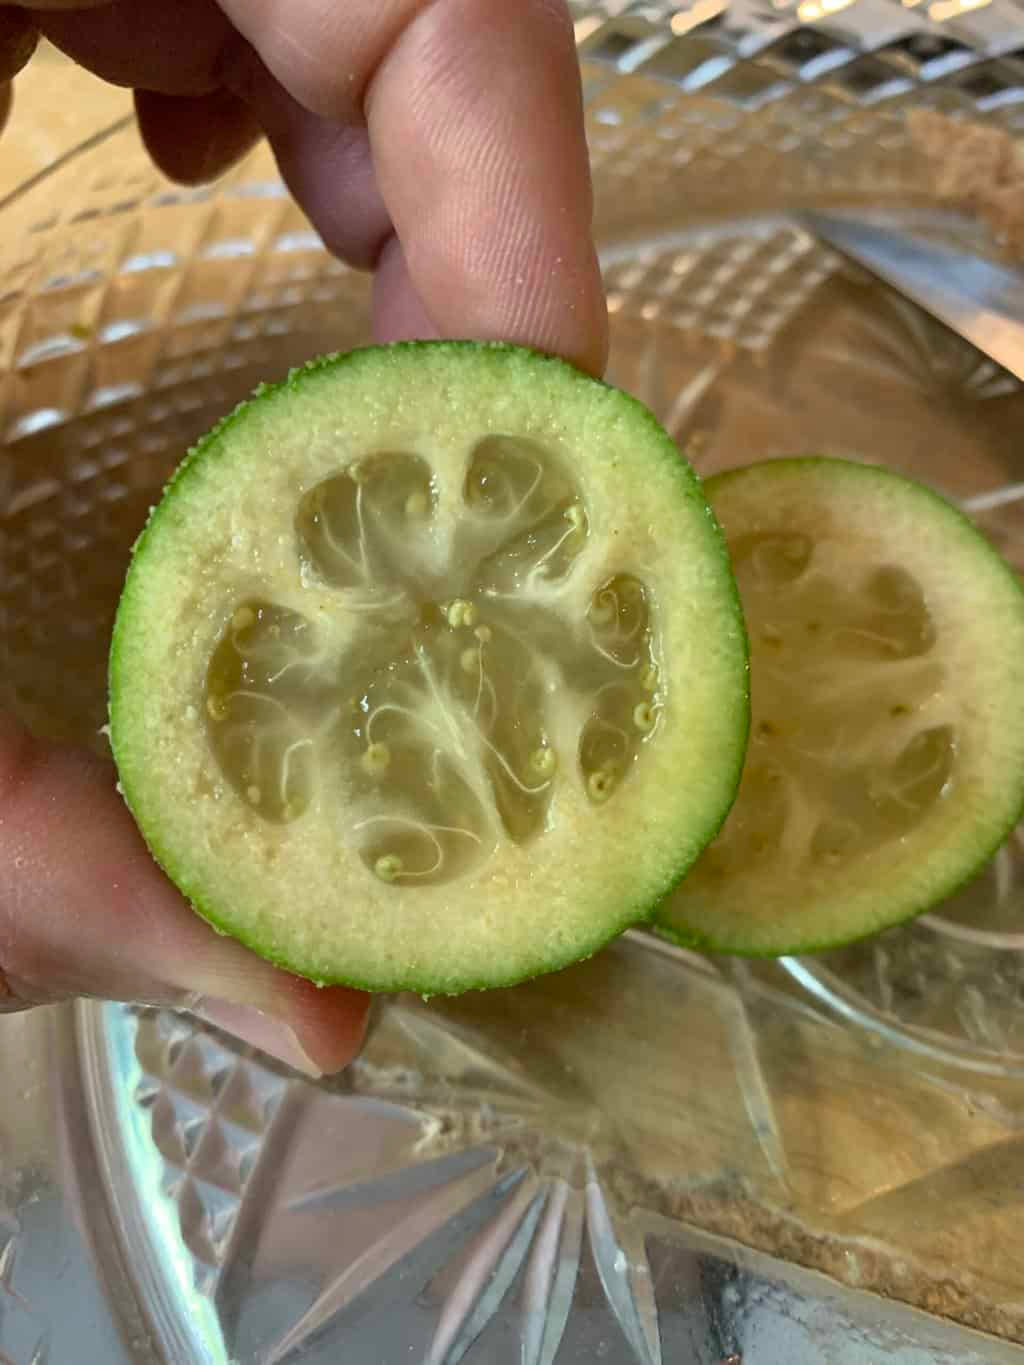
pixel 194 139
pixel 568 322
pixel 486 177
pixel 317 1038
pixel 329 1022
pixel 567 315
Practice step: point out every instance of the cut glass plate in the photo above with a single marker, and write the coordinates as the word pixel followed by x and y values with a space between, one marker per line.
pixel 654 1157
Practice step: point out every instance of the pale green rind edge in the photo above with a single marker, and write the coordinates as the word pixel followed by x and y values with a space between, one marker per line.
pixel 701 941
pixel 118 686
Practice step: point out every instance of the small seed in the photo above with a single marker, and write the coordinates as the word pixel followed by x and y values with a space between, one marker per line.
pixel 649 679
pixel 469 659
pixel 215 707
pixel 376 759
pixel 416 506
pixel 483 634
pixel 544 761
pixel 243 618
pixel 254 795
pixel 460 613
pixel 643 717
pixel 388 866
pixel 574 515
pixel 600 785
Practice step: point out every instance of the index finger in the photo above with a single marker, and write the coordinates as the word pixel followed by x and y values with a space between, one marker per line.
pixel 474 115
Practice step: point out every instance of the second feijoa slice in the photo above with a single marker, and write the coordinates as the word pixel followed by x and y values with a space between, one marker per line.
pixel 886 759
pixel 429 671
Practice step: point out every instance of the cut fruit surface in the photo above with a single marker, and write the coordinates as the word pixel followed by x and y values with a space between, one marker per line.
pixel 886 758
pixel 429 671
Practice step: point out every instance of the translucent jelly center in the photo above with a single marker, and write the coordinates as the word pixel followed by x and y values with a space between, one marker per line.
pixel 850 742
pixel 473 686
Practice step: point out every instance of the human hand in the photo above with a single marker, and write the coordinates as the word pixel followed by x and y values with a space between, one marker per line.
pixel 439 144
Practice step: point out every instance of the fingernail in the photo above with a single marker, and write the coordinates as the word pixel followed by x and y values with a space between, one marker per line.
pixel 261 1030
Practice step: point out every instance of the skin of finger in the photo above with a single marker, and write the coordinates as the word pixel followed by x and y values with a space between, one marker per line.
pixel 322 52
pixel 175 47
pixel 398 311
pixel 475 123
pixel 18 39
pixel 84 910
pixel 194 139
pixel 326 164
pixel 58 4
pixel 495 227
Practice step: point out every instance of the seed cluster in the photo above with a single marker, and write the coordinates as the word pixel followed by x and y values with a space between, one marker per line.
pixel 442 722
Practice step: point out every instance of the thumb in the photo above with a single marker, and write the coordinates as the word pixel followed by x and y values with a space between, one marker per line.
pixel 84 910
